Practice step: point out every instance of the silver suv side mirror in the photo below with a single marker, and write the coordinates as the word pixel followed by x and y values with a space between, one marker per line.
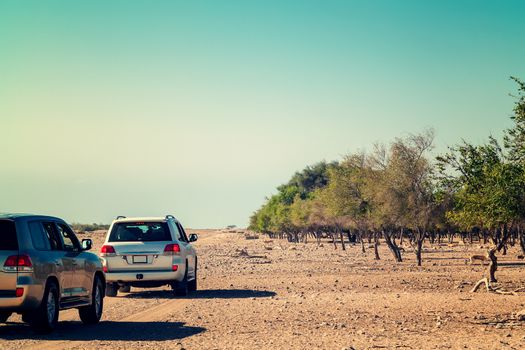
pixel 87 244
pixel 193 237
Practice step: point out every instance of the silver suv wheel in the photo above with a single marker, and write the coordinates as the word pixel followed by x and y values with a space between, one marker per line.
pixel 98 300
pixel 91 314
pixel 51 307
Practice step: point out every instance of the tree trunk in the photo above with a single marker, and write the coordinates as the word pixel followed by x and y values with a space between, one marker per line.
pixel 493 267
pixel 419 238
pixel 342 237
pixel 419 250
pixel 521 238
pixel 392 246
pixel 503 235
pixel 362 242
pixel 495 237
pixel 376 245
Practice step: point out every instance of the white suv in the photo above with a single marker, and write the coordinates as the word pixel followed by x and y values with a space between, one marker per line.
pixel 149 252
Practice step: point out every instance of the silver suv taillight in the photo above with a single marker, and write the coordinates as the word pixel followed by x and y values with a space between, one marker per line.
pixel 18 263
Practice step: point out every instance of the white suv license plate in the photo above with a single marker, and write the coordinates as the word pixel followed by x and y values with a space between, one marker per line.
pixel 140 259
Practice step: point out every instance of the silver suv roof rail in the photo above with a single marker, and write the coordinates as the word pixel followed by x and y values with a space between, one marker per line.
pixel 120 217
pixel 169 216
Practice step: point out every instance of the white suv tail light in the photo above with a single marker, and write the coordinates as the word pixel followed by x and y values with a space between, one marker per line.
pixel 172 249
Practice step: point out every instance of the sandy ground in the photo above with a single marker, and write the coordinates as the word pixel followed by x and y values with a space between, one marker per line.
pixel 297 296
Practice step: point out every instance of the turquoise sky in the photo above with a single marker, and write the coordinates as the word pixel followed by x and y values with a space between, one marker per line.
pixel 201 108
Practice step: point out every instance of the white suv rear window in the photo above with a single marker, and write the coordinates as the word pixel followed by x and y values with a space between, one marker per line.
pixel 140 232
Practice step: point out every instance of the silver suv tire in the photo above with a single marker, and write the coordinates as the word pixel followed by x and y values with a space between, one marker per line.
pixel 45 318
pixel 91 314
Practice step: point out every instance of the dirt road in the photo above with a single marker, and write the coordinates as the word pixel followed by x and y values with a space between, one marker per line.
pixel 297 296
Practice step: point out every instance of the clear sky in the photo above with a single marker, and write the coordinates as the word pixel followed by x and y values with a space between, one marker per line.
pixel 201 108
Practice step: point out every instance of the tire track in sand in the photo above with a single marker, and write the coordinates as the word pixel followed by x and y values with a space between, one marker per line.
pixel 101 331
pixel 150 314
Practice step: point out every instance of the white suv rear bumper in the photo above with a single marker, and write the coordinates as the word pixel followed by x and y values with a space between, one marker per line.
pixel 137 276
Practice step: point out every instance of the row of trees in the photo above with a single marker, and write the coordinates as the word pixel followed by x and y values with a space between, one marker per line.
pixel 400 192
pixel 88 227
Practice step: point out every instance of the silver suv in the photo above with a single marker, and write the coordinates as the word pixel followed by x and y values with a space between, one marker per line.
pixel 149 252
pixel 44 269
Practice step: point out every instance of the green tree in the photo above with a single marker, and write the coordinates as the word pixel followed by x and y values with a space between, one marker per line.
pixel 489 191
pixel 401 190
pixel 275 215
pixel 514 139
pixel 310 178
pixel 345 199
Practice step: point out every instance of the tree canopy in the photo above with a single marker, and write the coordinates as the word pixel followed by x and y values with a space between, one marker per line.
pixel 400 186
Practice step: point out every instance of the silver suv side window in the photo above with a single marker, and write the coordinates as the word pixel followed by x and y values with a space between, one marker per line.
pixel 41 239
pixel 51 234
pixel 68 238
